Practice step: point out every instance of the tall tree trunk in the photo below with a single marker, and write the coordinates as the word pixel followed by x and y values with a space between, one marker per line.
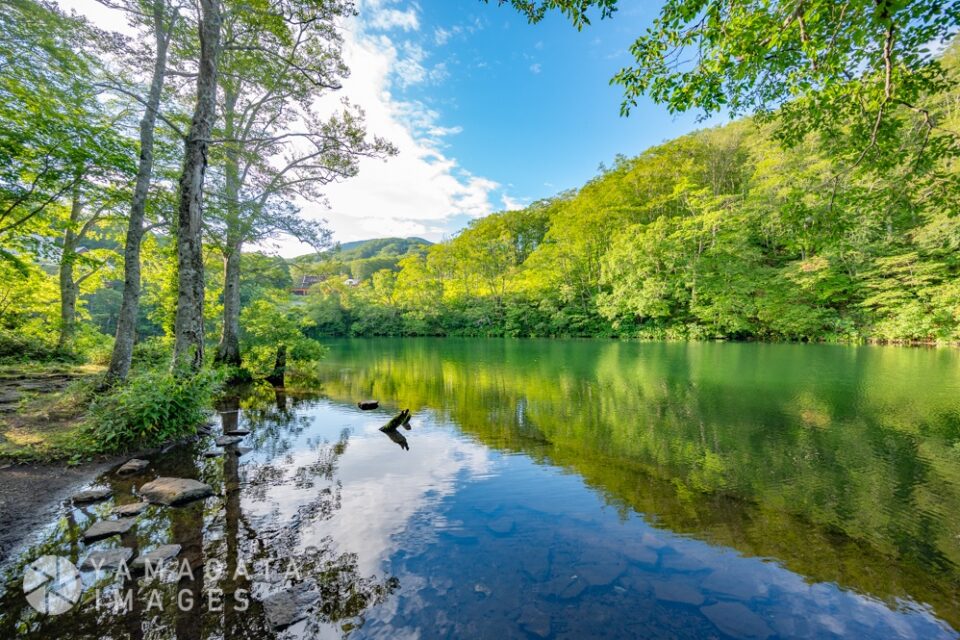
pixel 122 354
pixel 228 352
pixel 278 377
pixel 68 286
pixel 188 324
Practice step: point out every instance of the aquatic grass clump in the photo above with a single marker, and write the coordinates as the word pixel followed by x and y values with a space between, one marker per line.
pixel 151 408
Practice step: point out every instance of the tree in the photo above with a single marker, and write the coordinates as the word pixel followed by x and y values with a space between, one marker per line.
pixel 277 63
pixel 160 17
pixel 188 345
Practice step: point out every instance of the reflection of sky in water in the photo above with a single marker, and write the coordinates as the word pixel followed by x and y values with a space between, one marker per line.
pixel 489 545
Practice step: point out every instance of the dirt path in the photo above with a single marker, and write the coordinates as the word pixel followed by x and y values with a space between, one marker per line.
pixel 31 495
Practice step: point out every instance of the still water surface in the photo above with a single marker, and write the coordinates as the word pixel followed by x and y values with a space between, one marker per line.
pixel 566 489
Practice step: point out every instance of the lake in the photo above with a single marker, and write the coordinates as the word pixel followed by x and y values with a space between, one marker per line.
pixel 553 489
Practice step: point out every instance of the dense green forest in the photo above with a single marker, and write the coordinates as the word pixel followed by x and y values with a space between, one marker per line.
pixel 720 234
pixel 140 174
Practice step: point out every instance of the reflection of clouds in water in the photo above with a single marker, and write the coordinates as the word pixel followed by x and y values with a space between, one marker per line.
pixel 384 488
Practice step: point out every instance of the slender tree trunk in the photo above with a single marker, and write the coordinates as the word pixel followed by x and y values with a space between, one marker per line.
pixel 188 324
pixel 68 286
pixel 228 352
pixel 122 354
pixel 277 378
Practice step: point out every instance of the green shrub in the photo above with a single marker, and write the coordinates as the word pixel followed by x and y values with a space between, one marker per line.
pixel 149 409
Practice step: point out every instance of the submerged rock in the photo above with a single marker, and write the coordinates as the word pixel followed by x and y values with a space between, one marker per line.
pixel 156 557
pixel 533 620
pixel 133 509
pixel 226 441
pixel 107 559
pixel 288 607
pixel 92 495
pixel 133 466
pixel 368 405
pixel 736 620
pixel 677 591
pixel 174 491
pixel 107 528
pixel 236 432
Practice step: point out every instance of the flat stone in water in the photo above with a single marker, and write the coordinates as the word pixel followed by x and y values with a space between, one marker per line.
pixel 215 453
pixel 156 557
pixel 236 432
pixel 242 450
pixel 598 574
pixel 502 526
pixel 534 621
pixel 107 559
pixel 677 591
pixel 535 562
pixel 133 466
pixel 107 528
pixel 133 509
pixel 725 583
pixel 226 441
pixel 288 607
pixel 92 495
pixel 736 620
pixel 368 405
pixel 174 491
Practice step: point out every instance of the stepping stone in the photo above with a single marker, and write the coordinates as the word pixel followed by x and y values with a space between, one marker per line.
pixel 288 607
pixel 242 450
pixel 226 441
pixel 156 557
pixel 736 620
pixel 174 491
pixel 216 453
pixel 131 467
pixel 368 405
pixel 129 510
pixel 92 495
pixel 236 432
pixel 107 559
pixel 107 528
pixel 601 573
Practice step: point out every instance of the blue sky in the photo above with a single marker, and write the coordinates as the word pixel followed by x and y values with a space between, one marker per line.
pixel 488 111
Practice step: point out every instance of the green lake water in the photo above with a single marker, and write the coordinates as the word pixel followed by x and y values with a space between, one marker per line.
pixel 560 489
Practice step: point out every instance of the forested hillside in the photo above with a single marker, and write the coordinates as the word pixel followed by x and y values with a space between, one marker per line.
pixel 725 233
pixel 359 259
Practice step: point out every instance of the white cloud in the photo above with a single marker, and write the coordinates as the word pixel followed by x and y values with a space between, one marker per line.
pixel 511 204
pixel 536 68
pixel 386 19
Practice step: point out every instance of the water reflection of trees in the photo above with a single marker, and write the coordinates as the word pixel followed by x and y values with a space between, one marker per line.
pixel 840 462
pixel 218 531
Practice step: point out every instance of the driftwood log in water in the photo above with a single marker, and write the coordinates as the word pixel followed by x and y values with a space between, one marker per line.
pixel 402 419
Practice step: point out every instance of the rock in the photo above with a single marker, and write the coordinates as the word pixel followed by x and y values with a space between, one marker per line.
pixel 236 432
pixel 677 591
pixel 288 607
pixel 730 584
pixel 565 588
pixel 174 491
pixel 535 563
pixel 107 559
pixel 242 450
pixel 215 453
pixel 156 557
pixel 501 526
pixel 133 466
pixel 736 620
pixel 640 553
pixel 92 495
pixel 534 621
pixel 598 574
pixel 129 510
pixel 107 528
pixel 368 405
pixel 226 441
pixel 483 589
